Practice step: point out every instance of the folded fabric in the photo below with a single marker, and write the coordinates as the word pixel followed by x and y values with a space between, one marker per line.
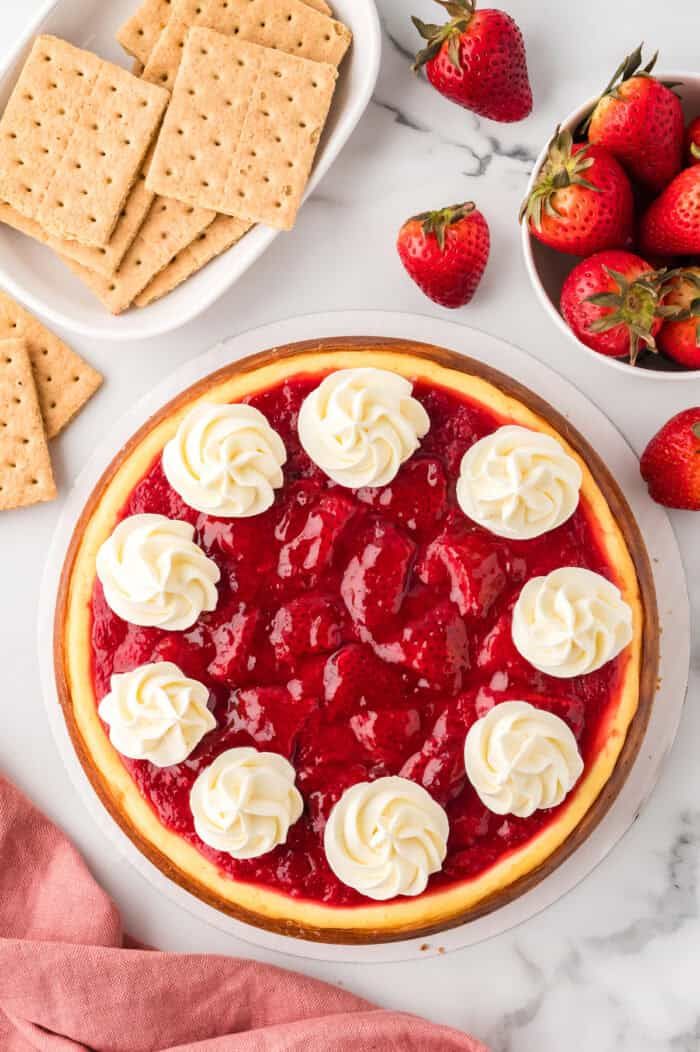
pixel 70 979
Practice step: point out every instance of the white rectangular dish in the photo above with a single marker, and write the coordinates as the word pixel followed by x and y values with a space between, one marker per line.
pixel 32 274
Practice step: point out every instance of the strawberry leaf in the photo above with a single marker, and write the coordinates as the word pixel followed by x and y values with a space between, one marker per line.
pixel 628 68
pixel 695 150
pixel 426 29
pixel 605 299
pixel 453 48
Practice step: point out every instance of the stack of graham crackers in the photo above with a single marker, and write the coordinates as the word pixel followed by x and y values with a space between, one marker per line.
pixel 43 384
pixel 138 181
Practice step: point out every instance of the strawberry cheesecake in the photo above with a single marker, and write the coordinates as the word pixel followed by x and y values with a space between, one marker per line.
pixel 356 640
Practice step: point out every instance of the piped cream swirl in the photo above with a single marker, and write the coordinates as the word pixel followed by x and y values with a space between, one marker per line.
pixel 361 425
pixel 156 713
pixel 153 574
pixel 571 622
pixel 225 460
pixel 520 758
pixel 385 838
pixel 518 483
pixel 245 802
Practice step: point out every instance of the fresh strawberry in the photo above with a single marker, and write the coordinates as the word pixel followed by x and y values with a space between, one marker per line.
pixel 309 624
pixel 375 580
pixel 446 252
pixel 670 464
pixel 671 224
pixel 679 337
pixel 477 60
pixel 640 120
pixel 416 499
pixel 582 202
pixel 612 302
pixel 473 567
pixel 692 142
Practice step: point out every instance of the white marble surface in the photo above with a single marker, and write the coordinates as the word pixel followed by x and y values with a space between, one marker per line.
pixel 614 966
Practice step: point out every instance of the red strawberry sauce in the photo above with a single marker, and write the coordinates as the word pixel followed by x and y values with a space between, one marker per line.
pixel 359 634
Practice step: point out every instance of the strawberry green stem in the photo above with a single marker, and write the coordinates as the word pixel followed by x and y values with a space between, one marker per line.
pixel 438 222
pixel 461 13
pixel 562 168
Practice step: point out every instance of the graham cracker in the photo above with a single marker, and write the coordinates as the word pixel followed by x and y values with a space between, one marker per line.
pixel 64 381
pixel 168 228
pixel 242 129
pixel 139 33
pixel 288 25
pixel 224 232
pixel 73 138
pixel 319 5
pixel 25 465
pixel 105 260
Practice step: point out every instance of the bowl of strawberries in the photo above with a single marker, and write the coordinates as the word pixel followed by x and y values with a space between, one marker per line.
pixel 611 223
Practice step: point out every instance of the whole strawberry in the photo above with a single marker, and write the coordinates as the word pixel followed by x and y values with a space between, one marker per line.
pixel 671 224
pixel 477 60
pixel 679 337
pixel 582 201
pixel 670 464
pixel 612 302
pixel 445 252
pixel 640 120
pixel 692 142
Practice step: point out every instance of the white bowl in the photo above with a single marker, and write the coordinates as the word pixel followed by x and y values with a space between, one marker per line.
pixel 547 269
pixel 33 275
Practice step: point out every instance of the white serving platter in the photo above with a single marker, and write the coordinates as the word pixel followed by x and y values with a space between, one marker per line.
pixel 669 578
pixel 32 274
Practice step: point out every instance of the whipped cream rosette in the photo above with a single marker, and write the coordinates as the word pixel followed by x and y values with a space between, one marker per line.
pixel 385 838
pixel 225 460
pixel 156 713
pixel 361 425
pixel 518 483
pixel 153 574
pixel 571 622
pixel 245 802
pixel 520 758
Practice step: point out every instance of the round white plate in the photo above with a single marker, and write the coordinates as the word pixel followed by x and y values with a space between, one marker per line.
pixel 655 526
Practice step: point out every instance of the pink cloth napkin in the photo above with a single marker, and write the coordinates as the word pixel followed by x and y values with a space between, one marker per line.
pixel 69 980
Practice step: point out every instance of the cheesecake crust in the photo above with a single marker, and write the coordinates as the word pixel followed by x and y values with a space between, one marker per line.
pixel 513 874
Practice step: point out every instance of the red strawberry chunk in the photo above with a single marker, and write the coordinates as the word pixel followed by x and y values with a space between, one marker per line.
pixel 190 651
pixel 309 624
pixel 435 647
pixel 389 735
pixel 308 549
pixel 321 794
pixel 439 765
pixel 308 678
pixel 355 677
pixel 136 648
pixel 376 579
pixel 247 547
pixel 472 564
pixel 269 716
pixel 416 499
pixel 233 641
